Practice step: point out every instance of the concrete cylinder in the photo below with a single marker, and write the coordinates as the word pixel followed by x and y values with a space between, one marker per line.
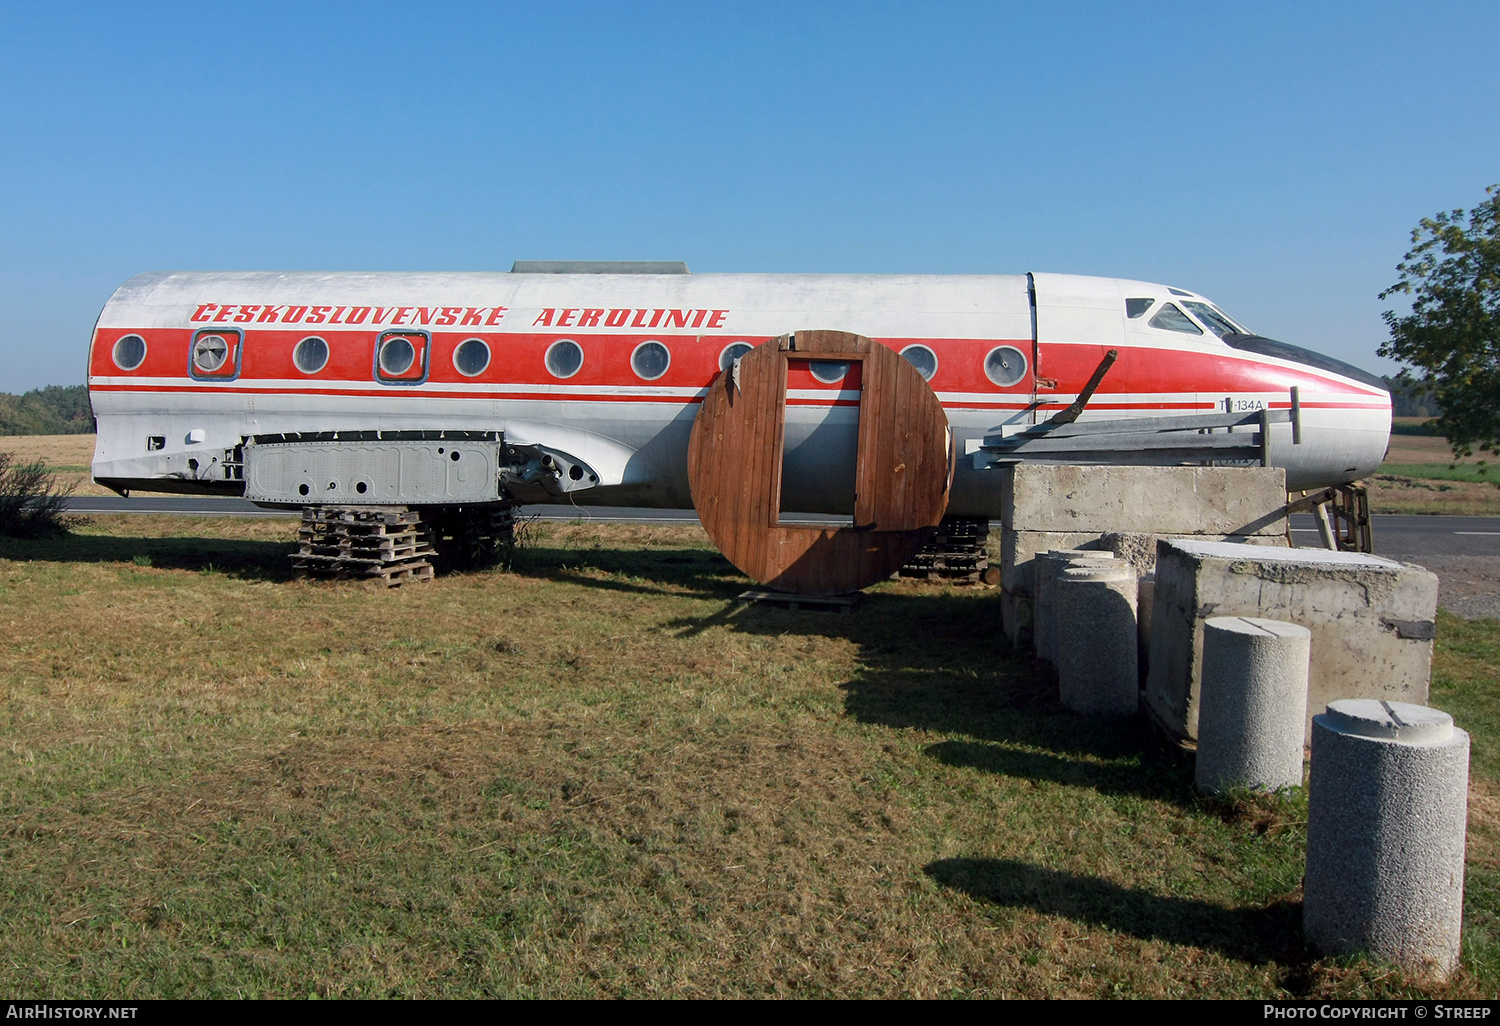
pixel 1096 639
pixel 1387 807
pixel 1045 568
pixel 1252 704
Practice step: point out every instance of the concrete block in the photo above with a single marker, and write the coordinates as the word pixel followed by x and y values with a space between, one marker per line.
pixel 1018 550
pixel 1155 500
pixel 1139 549
pixel 1048 566
pixel 1096 655
pixel 1387 811
pixel 1371 621
pixel 1254 704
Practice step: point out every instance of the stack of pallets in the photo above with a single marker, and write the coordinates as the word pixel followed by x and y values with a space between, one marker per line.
pixel 956 553
pixel 471 537
pixel 385 543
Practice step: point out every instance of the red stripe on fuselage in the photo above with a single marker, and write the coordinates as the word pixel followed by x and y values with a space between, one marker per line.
pixel 517 360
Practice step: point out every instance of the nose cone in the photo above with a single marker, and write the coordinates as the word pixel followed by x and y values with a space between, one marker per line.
pixel 1344 435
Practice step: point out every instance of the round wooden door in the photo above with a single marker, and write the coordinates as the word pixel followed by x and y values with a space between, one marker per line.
pixel 903 470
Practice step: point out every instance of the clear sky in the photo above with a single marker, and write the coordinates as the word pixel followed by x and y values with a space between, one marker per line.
pixel 1274 157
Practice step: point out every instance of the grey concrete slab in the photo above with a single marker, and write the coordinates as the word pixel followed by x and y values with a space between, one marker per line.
pixel 1372 621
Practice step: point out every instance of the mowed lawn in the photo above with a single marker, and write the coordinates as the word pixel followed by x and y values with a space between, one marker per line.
pixel 596 775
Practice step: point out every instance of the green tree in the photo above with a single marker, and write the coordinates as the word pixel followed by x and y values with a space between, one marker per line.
pixel 1450 341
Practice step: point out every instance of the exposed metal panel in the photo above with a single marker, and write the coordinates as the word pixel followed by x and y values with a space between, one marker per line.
pixel 373 473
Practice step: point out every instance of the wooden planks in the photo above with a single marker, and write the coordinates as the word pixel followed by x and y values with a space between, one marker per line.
pixel 903 469
pixel 388 544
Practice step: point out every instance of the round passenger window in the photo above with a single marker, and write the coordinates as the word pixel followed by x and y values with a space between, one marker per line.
pixel 210 352
pixel 733 352
pixel 396 356
pixel 471 357
pixel 650 360
pixel 130 352
pixel 564 358
pixel 923 359
pixel 1005 366
pixel 829 371
pixel 311 355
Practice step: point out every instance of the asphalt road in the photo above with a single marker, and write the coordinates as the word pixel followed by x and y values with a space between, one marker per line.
pixel 1394 535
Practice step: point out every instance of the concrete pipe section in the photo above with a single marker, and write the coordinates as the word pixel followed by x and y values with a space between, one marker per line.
pixel 1252 705
pixel 1096 639
pixel 1387 808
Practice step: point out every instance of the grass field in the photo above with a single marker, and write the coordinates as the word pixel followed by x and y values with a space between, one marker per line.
pixel 595 775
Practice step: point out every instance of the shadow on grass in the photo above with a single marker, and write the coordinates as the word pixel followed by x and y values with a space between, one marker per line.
pixel 1135 769
pixel 935 659
pixel 247 560
pixel 1272 933
pixel 701 572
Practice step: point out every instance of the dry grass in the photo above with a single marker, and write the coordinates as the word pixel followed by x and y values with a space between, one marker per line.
pixel 1393 493
pixel 68 456
pixel 594 775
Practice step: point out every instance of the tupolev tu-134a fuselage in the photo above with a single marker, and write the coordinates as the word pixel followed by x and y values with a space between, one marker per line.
pixel 602 374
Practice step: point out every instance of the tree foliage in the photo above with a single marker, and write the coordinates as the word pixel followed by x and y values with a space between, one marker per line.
pixel 1450 341
pixel 31 503
pixel 53 410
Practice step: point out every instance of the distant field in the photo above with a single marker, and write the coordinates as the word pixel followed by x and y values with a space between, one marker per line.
pixel 1420 475
pixel 68 456
pixel 597 776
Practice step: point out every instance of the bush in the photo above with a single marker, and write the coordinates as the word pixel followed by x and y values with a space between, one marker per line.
pixel 31 504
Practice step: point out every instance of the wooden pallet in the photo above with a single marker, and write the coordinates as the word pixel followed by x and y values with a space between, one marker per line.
pixel 956 553
pixel 388 544
pixel 788 600
pixel 392 575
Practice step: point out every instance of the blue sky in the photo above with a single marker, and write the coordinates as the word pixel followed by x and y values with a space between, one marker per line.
pixel 1274 157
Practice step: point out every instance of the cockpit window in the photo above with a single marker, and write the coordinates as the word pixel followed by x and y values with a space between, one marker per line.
pixel 1135 307
pixel 1173 319
pixel 1215 321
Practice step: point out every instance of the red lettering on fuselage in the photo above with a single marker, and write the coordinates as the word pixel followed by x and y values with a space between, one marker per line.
pixel 589 318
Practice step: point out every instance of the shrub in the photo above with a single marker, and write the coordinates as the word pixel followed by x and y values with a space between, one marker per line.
pixel 31 503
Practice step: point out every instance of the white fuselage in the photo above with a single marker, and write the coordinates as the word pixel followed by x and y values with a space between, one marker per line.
pixel 168 423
